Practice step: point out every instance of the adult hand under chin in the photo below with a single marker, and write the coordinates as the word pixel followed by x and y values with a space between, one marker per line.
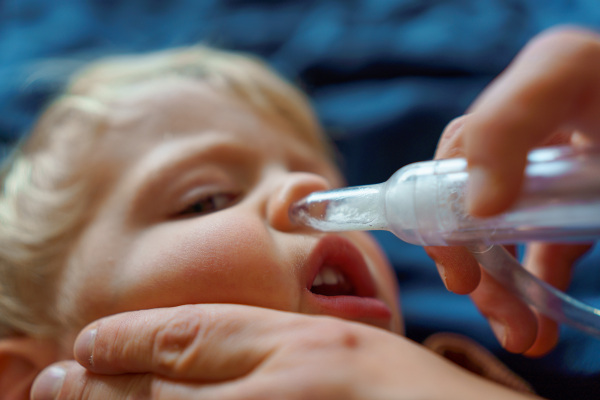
pixel 219 351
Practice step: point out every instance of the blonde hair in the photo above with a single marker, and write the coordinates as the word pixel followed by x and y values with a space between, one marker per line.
pixel 45 201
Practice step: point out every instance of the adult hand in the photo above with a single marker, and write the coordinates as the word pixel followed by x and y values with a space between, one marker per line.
pixel 225 352
pixel 550 94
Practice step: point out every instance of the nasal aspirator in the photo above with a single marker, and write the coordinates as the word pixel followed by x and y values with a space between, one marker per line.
pixel 424 204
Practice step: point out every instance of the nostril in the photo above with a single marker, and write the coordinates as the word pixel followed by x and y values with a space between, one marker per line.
pixel 295 187
pixel 305 211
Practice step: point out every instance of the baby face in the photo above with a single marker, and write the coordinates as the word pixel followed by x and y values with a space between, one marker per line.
pixel 194 190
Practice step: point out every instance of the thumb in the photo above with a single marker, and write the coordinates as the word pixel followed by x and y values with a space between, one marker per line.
pixel 201 342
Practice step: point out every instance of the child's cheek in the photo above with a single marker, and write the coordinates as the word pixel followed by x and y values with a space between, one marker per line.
pixel 207 260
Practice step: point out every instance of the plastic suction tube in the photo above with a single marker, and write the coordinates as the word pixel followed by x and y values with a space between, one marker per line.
pixel 546 299
pixel 424 204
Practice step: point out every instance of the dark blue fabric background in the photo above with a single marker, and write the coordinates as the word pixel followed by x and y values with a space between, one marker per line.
pixel 385 76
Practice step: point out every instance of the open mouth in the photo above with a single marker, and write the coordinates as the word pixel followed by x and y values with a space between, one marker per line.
pixel 330 281
pixel 339 269
pixel 340 284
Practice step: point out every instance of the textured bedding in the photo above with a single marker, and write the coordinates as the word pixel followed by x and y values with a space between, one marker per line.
pixel 385 77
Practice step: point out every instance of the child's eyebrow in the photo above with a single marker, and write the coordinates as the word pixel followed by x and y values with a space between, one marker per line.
pixel 167 161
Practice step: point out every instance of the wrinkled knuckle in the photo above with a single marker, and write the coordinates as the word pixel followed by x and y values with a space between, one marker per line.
pixel 176 342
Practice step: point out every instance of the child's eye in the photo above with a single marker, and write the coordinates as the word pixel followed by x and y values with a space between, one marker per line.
pixel 210 203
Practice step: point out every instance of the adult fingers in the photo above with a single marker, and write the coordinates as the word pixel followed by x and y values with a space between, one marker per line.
pixel 513 323
pixel 511 320
pixel 450 144
pixel 185 342
pixel 221 351
pixel 317 357
pixel 518 328
pixel 552 263
pixel 554 84
pixel 457 267
pixel 78 383
pixel 52 383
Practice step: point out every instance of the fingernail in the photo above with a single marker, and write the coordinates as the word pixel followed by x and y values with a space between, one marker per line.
pixel 499 330
pixel 84 347
pixel 48 384
pixel 442 271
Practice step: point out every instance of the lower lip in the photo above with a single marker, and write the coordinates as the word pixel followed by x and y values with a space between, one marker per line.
pixel 351 307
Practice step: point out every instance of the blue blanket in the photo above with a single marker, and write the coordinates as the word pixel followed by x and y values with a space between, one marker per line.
pixel 385 75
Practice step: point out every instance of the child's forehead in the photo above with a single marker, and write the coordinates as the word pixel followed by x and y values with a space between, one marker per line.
pixel 179 104
pixel 165 110
pixel 163 99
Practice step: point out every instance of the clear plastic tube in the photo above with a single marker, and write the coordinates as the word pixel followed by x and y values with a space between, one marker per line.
pixel 551 302
pixel 424 204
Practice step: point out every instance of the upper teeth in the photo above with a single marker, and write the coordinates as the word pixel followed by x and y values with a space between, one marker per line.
pixel 329 276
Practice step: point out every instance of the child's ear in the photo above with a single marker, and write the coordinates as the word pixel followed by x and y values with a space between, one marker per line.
pixel 21 359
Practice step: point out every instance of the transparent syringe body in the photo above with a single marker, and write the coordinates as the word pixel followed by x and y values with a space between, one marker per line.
pixel 424 203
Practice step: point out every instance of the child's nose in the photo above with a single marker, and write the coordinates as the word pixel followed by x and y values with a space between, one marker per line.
pixel 296 186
